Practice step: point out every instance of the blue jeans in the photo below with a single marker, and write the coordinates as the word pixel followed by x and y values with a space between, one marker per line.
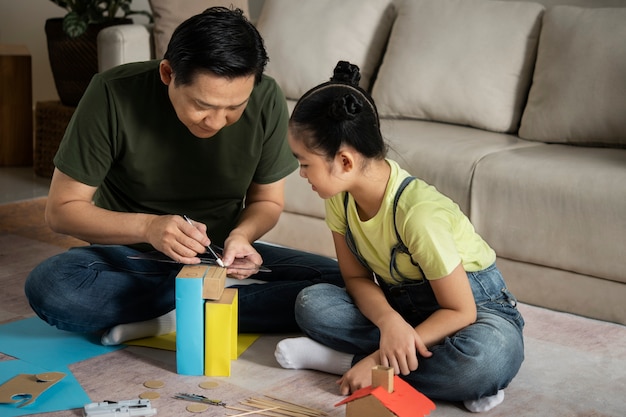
pixel 93 288
pixel 477 361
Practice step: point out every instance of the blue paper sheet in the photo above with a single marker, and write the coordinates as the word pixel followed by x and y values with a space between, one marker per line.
pixel 39 347
pixel 35 341
pixel 64 395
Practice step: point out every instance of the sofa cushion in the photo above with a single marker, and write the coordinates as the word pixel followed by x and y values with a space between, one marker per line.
pixel 305 39
pixel 169 14
pixel 579 86
pixel 466 62
pixel 445 155
pixel 555 205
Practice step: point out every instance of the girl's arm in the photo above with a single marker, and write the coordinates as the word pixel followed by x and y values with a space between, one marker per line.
pixel 458 308
pixel 399 343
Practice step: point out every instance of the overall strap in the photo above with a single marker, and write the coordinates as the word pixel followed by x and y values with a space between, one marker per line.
pixel 399 246
pixel 350 239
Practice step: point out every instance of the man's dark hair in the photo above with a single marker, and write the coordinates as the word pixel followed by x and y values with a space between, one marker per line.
pixel 219 40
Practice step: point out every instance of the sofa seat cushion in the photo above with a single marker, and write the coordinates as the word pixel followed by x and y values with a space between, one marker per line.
pixel 466 62
pixel 306 39
pixel 555 205
pixel 579 86
pixel 445 155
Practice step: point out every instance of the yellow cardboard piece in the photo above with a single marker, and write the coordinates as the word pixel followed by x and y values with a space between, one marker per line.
pixel 220 333
pixel 168 342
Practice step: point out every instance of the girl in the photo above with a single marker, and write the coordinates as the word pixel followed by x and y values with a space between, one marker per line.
pixel 422 292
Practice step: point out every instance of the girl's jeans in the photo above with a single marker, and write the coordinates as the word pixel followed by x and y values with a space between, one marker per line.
pixel 476 361
pixel 93 288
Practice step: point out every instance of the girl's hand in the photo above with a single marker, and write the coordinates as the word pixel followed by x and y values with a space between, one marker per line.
pixel 400 345
pixel 359 376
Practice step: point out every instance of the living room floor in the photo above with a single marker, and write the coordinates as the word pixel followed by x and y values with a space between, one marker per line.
pixel 21 183
pixel 574 366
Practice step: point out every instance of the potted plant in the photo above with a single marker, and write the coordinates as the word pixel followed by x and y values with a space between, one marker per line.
pixel 72 42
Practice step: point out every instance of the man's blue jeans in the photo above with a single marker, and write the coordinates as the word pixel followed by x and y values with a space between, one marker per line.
pixel 476 361
pixel 93 288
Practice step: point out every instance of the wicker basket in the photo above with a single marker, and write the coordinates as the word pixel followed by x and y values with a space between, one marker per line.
pixel 51 119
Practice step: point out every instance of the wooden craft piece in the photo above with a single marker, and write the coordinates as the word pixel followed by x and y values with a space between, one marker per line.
pixel 388 396
pixel 154 384
pixel 214 282
pixel 27 387
pixel 208 385
pixel 197 408
pixel 149 395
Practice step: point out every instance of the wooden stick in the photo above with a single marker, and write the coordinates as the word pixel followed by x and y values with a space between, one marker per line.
pixel 319 412
pixel 265 413
pixel 290 406
pixel 278 412
pixel 285 408
pixel 252 412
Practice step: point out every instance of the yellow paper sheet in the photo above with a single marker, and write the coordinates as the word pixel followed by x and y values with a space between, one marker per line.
pixel 168 342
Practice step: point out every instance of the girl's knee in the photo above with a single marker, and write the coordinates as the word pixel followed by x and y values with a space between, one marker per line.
pixel 316 304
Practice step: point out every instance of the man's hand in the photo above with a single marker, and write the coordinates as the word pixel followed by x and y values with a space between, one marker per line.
pixel 237 247
pixel 178 239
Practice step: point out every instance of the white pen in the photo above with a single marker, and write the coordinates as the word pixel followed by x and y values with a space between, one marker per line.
pixel 217 258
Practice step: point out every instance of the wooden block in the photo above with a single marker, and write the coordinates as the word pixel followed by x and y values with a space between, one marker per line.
pixel 16 108
pixel 214 282
pixel 382 376
pixel 220 333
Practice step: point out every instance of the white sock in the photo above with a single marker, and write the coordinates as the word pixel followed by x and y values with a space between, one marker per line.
pixel 484 403
pixel 305 353
pixel 155 327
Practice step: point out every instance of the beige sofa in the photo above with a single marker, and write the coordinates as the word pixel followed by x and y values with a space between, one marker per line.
pixel 516 110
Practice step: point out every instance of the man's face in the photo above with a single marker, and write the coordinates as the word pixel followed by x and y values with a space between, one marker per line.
pixel 210 102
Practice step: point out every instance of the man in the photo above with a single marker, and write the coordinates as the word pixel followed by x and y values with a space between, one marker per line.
pixel 201 133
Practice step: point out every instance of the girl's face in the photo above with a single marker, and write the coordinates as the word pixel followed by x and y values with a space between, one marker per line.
pixel 324 175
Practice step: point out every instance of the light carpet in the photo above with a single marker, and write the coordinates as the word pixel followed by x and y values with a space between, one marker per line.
pixel 574 366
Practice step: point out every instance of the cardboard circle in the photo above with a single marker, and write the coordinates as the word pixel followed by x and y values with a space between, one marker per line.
pixel 197 408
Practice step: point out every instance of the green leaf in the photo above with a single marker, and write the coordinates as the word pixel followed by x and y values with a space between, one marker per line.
pixel 74 25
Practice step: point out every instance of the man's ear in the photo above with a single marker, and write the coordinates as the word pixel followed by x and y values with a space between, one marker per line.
pixel 165 71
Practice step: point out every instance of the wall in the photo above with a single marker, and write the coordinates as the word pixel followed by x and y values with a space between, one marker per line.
pixel 22 22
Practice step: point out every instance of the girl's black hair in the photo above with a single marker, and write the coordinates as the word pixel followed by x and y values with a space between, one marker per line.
pixel 338 113
pixel 219 40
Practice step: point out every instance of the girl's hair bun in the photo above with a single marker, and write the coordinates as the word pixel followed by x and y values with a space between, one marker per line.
pixel 345 107
pixel 347 73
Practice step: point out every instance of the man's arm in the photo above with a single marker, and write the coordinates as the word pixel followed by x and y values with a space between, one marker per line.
pixel 264 203
pixel 70 210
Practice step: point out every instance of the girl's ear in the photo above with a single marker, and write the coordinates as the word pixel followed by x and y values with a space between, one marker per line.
pixel 346 160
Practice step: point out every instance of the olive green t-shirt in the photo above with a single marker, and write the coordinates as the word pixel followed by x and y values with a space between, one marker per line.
pixel 126 139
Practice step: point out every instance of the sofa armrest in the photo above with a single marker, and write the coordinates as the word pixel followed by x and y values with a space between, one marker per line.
pixel 121 44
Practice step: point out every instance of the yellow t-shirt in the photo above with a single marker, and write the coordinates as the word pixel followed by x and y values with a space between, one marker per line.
pixel 435 230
